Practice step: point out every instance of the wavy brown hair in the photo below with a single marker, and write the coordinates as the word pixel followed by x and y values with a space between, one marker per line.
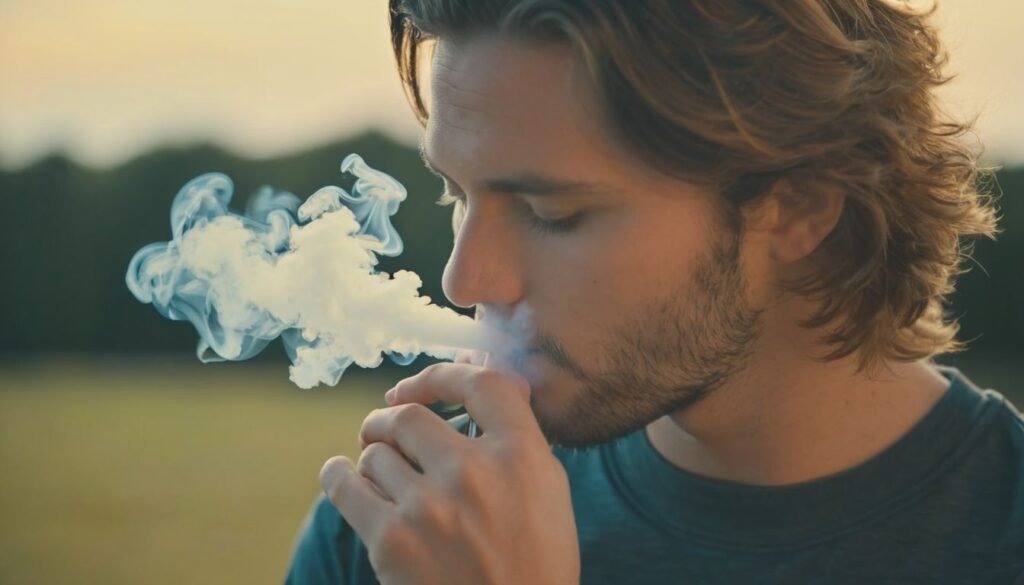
pixel 736 95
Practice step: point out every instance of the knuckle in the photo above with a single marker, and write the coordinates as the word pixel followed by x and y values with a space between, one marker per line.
pixel 370 458
pixel 412 382
pixel 400 391
pixel 430 370
pixel 484 378
pixel 368 423
pixel 493 383
pixel 408 414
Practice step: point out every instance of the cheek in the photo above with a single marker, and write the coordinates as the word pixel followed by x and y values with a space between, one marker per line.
pixel 587 281
pixel 571 289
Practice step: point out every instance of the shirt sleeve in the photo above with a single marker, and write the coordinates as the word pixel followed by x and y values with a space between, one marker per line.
pixel 327 551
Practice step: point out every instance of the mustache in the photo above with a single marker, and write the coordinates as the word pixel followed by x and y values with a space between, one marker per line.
pixel 534 342
pixel 555 352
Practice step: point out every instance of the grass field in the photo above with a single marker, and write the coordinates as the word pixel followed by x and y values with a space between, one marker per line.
pixel 162 472
pixel 149 472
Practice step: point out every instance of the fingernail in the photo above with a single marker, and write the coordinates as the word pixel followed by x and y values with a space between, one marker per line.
pixel 389 396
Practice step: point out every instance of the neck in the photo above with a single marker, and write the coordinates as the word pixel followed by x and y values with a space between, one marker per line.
pixel 788 418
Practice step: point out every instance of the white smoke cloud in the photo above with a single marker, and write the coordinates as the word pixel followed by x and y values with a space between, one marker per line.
pixel 304 273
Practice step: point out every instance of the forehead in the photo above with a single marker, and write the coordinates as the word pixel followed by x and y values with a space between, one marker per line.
pixel 502 103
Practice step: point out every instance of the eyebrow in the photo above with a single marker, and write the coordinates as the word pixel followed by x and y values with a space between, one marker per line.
pixel 527 183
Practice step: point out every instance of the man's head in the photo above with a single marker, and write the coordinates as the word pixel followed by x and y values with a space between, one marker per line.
pixel 652 177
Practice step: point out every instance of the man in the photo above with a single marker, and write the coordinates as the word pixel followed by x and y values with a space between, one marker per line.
pixel 735 223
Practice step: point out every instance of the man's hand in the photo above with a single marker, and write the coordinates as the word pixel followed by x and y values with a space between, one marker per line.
pixel 495 509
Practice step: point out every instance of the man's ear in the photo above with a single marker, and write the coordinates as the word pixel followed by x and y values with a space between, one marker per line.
pixel 795 222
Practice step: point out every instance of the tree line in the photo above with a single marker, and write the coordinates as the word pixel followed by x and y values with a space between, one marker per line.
pixel 67 233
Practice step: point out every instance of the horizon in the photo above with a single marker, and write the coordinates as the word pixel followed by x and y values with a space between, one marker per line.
pixel 201 143
pixel 106 81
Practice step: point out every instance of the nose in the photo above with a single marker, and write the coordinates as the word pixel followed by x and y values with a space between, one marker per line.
pixel 485 266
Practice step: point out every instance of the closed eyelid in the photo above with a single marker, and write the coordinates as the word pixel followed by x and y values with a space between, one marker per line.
pixel 528 184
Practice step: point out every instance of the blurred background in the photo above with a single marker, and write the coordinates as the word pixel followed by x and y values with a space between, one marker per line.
pixel 123 459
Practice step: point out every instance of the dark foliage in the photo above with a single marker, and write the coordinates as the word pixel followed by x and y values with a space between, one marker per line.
pixel 68 232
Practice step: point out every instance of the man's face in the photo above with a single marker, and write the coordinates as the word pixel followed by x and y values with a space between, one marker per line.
pixel 637 292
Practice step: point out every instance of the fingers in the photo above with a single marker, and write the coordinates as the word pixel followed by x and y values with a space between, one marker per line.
pixel 354 497
pixel 413 431
pixel 499 401
pixel 388 470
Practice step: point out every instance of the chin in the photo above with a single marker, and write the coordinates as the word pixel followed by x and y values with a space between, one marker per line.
pixel 563 409
pixel 551 395
pixel 555 405
pixel 550 398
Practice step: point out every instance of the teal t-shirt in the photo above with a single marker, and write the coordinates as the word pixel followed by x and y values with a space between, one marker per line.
pixel 942 505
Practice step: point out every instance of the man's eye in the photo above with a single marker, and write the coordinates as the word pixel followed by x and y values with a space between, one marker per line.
pixel 536 222
pixel 561 225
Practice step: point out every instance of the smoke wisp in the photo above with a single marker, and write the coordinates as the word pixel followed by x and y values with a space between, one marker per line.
pixel 304 272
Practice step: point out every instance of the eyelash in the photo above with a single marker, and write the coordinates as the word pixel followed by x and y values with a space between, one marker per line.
pixel 562 225
pixel 545 226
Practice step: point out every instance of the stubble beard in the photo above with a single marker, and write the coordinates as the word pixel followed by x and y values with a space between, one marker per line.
pixel 673 354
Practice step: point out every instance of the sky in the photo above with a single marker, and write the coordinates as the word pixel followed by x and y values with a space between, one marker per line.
pixel 106 79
